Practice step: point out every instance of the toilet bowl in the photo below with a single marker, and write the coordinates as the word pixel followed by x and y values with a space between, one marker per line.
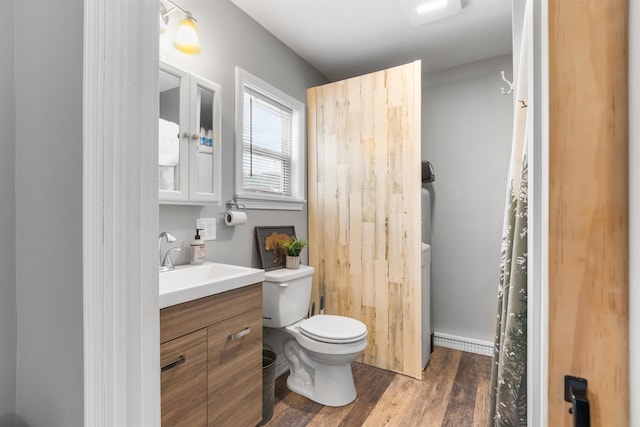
pixel 320 348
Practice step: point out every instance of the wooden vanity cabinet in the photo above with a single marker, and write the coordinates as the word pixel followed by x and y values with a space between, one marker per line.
pixel 219 382
pixel 184 380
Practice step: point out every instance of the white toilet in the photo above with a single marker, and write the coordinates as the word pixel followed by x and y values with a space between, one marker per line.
pixel 319 349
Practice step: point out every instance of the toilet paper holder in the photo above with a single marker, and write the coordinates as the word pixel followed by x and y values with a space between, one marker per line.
pixel 232 217
pixel 234 202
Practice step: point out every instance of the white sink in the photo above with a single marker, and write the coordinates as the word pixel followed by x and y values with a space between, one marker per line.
pixel 189 282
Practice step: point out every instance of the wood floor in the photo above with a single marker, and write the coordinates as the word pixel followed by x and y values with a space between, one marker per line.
pixel 453 392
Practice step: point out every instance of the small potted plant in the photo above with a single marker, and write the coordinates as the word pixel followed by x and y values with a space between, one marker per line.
pixel 293 247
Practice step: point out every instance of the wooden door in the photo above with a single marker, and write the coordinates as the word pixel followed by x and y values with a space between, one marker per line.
pixel 588 202
pixel 364 209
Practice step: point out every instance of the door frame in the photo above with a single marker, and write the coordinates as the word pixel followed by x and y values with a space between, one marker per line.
pixel 111 396
pixel 537 31
pixel 538 310
pixel 120 214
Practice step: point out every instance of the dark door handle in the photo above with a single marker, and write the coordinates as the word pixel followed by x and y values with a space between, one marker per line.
pixel 575 391
pixel 179 361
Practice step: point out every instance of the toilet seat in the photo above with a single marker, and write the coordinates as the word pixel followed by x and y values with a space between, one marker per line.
pixel 333 329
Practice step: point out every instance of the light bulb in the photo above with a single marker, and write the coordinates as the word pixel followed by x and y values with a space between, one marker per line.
pixel 186 39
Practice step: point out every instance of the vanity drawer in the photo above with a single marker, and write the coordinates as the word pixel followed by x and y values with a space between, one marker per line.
pixel 181 319
pixel 183 380
pixel 235 371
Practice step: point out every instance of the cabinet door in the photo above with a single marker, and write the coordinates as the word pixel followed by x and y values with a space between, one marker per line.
pixel 235 371
pixel 184 380
pixel 173 134
pixel 205 151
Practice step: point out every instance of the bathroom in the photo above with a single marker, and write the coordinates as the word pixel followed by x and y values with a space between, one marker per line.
pixel 459 104
pixel 226 32
pixel 57 237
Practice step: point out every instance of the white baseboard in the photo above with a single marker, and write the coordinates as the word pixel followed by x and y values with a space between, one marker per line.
pixel 470 345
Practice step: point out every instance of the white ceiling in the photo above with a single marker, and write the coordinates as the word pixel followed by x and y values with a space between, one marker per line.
pixel 345 38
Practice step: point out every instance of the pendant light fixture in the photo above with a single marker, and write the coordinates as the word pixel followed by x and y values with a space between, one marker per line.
pixel 186 39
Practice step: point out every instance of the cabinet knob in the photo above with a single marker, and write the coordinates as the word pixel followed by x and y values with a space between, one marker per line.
pixel 194 136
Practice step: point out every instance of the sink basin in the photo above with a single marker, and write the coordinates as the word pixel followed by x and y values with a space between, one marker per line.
pixel 189 282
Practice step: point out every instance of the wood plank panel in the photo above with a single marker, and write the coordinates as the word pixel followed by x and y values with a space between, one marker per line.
pixel 370 388
pixel 394 404
pixel 436 386
pixel 588 202
pixel 312 197
pixel 387 398
pixel 480 411
pixel 364 209
pixel 292 409
pixel 462 409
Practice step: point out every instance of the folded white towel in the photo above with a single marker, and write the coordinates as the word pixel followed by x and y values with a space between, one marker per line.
pixel 169 148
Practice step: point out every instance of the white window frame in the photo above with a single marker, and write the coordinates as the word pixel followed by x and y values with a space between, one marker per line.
pixel 256 200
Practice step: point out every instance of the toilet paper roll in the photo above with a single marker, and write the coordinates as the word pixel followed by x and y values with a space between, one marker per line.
pixel 232 218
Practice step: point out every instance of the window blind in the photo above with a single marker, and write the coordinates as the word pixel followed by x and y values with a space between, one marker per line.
pixel 267 145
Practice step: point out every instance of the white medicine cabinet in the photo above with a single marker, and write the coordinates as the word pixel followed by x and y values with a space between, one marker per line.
pixel 189 166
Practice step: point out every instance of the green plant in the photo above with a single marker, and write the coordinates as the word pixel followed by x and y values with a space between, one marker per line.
pixel 294 246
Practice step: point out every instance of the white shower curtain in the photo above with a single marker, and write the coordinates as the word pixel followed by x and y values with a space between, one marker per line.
pixel 508 405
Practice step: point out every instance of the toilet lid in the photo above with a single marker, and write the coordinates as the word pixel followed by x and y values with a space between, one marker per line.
pixel 333 329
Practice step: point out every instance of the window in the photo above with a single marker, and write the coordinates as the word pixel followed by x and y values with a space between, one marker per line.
pixel 269 146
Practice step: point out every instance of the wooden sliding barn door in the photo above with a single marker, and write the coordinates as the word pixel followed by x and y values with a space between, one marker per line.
pixel 364 209
pixel 588 207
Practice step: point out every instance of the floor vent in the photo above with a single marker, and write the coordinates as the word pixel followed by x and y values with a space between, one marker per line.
pixel 469 345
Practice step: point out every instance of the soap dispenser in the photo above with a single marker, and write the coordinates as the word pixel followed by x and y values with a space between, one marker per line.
pixel 197 249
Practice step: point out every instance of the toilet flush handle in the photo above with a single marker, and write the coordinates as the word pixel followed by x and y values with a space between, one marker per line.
pixel 283 285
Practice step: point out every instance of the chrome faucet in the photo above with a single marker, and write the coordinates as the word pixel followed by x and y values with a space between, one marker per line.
pixel 166 264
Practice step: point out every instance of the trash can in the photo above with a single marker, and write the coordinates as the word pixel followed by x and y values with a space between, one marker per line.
pixel 268 384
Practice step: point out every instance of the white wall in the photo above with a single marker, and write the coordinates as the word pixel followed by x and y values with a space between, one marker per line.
pixel 229 38
pixel 466 134
pixel 48 173
pixel 517 25
pixel 8 320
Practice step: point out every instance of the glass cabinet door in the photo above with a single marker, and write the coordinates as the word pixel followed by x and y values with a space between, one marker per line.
pixel 205 152
pixel 172 129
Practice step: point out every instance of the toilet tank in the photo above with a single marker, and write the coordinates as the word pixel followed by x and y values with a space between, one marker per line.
pixel 286 294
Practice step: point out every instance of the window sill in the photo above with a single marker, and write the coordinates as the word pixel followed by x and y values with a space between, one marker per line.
pixel 269 204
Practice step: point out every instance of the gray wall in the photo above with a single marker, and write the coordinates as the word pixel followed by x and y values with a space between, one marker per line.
pixel 231 38
pixel 48 171
pixel 8 320
pixel 466 133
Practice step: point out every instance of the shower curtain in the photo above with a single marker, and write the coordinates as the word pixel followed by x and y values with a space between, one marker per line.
pixel 508 403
